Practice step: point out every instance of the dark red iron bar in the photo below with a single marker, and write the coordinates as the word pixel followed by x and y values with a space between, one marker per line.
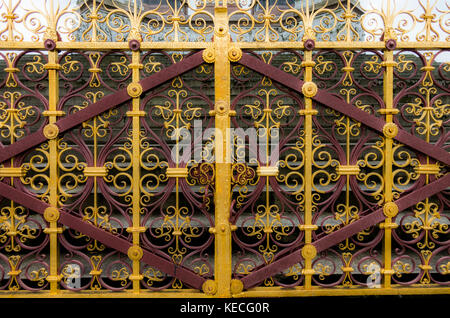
pixel 331 101
pixel 348 231
pixel 377 216
pixel 106 238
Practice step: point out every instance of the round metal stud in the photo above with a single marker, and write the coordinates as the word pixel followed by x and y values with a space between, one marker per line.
pixel 309 251
pixel 234 54
pixel 134 45
pixel 220 30
pixel 135 253
pixel 49 44
pixel 51 214
pixel 390 209
pixel 309 45
pixel 209 287
pixel 309 89
pixel 208 55
pixel 390 130
pixel 134 90
pixel 391 44
pixel 221 107
pixel 236 287
pixel 51 131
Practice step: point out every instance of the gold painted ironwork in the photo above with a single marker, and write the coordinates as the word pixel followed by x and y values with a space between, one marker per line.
pixel 427 169
pixel 347 170
pixel 225 30
pixel 12 172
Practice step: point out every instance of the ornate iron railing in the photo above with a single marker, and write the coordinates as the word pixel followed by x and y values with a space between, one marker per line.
pixel 101 190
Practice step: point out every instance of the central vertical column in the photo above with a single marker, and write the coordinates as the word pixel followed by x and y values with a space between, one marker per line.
pixel 389 131
pixel 135 90
pixel 308 113
pixel 222 196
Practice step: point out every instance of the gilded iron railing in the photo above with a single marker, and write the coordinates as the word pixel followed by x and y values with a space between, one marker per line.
pixel 103 195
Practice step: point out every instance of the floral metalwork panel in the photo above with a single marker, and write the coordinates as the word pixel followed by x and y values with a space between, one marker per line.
pixel 267 195
pixel 224 148
pixel 177 182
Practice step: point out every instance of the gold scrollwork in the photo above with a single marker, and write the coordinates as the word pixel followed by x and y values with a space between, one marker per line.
pixel 170 25
pixel 427 220
pixel 267 220
pixel 13 223
pixel 379 20
pixel 152 275
pixel 36 168
pixel 14 115
pixel 255 20
pixel 50 21
pixel 70 167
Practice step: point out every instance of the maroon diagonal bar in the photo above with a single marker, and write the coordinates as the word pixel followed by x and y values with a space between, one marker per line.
pixel 332 101
pixel 106 103
pixel 182 273
pixel 377 124
pixel 377 216
pixel 272 72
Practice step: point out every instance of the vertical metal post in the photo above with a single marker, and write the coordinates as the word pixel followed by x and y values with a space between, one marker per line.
pixel 134 90
pixel 308 227
pixel 388 225
pixel 53 230
pixel 222 195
